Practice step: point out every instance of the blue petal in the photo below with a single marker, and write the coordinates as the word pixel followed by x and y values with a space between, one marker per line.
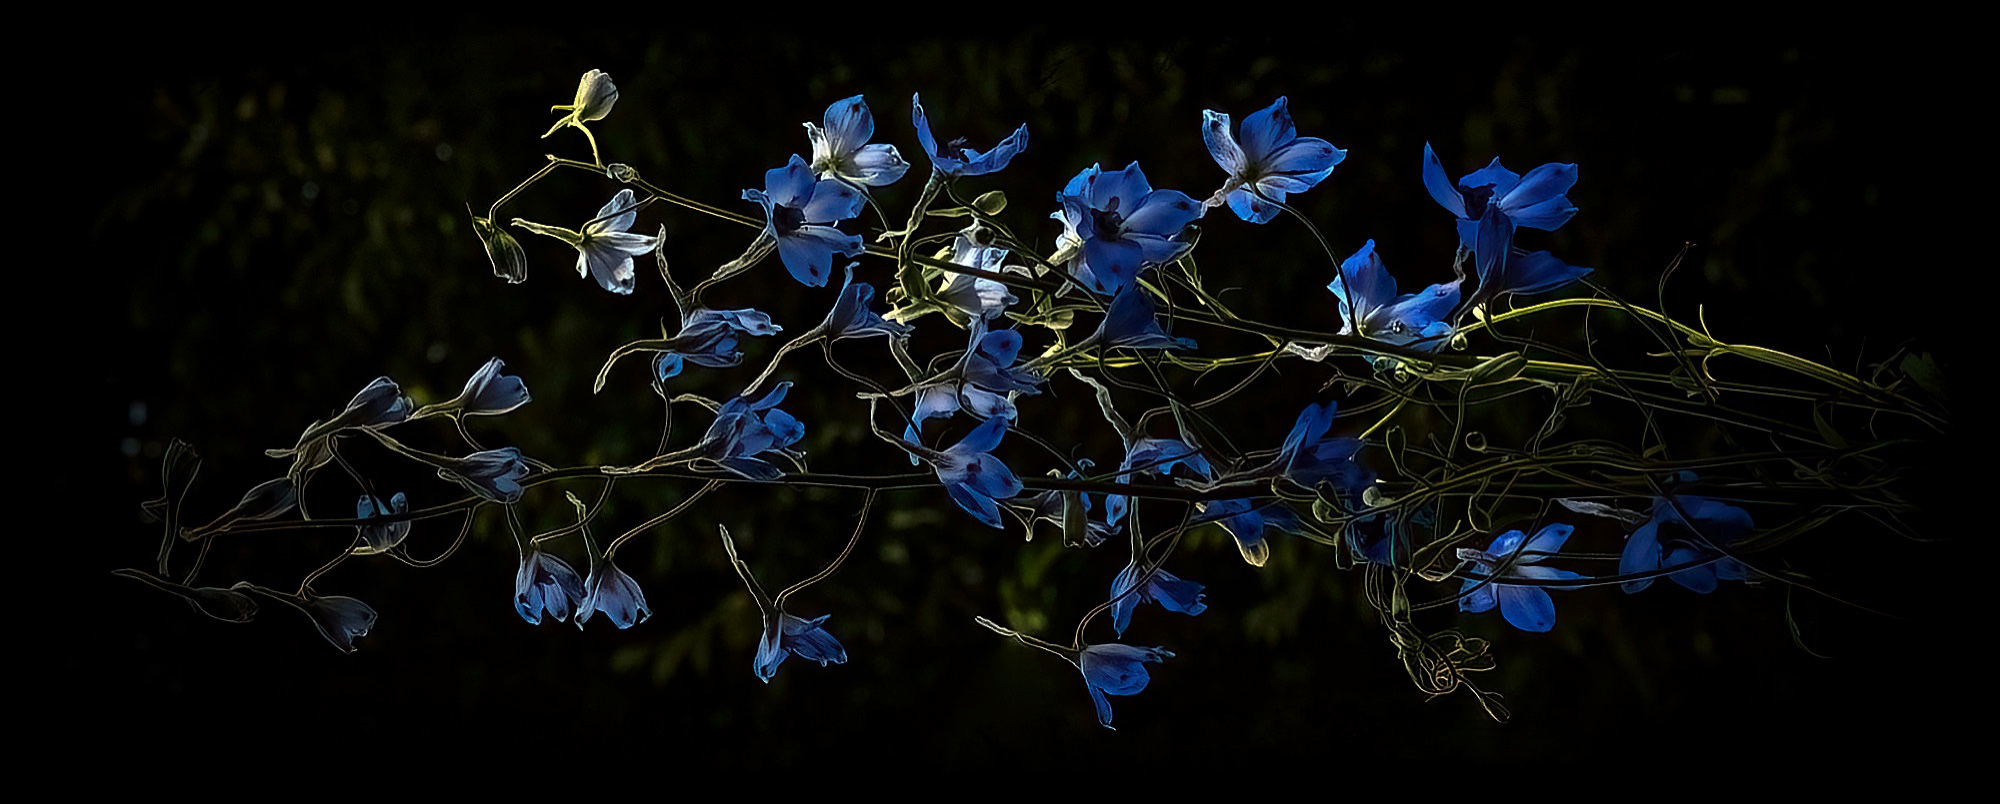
pixel 1249 207
pixel 924 137
pixel 982 508
pixel 1540 272
pixel 1479 601
pixel 1266 130
pixel 997 159
pixel 810 641
pixel 1642 554
pixel 832 201
pixel 849 124
pixel 1527 607
pixel 1221 143
pixel 1543 184
pixel 1301 164
pixel 1120 190
pixel 1440 186
pixel 1112 263
pixel 788 186
pixel 1164 213
pixel 1494 175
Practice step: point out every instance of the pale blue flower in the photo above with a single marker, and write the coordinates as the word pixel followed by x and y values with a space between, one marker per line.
pixel 545 583
pixel 1116 669
pixel 494 474
pixel 381 538
pixel 604 247
pixel 610 590
pixel 841 148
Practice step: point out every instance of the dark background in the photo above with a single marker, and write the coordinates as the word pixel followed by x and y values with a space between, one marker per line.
pixel 288 221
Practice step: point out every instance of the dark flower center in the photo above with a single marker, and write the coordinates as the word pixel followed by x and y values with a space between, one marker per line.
pixel 1109 221
pixel 787 219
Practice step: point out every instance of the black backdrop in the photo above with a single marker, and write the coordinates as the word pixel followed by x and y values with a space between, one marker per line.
pixel 284 220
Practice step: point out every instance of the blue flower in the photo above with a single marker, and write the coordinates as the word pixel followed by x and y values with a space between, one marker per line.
pixel 784 634
pixel 1528 608
pixel 381 538
pixel 986 385
pixel 955 159
pixel 806 639
pixel 841 150
pixel 851 318
pixel 1132 321
pixel 494 474
pixel 1173 594
pixel 1119 224
pixel 973 477
pixel 1116 669
pixel 1534 201
pixel 545 583
pixel 1668 540
pixel 744 430
pixel 1272 158
pixel 604 249
pixel 610 590
pixel 1309 458
pixel 991 365
pixel 1369 306
pixel 800 214
pixel 1503 269
pixel 1246 519
pixel 1157 456
pixel 380 404
pixel 709 338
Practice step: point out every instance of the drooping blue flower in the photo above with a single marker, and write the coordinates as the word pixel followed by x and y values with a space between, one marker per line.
pixel 955 159
pixel 381 538
pixel 851 318
pixel 841 149
pixel 744 430
pixel 1271 157
pixel 1119 224
pixel 1173 594
pixel 1132 321
pixel 1369 306
pixel 546 583
pixel 494 474
pixel 800 213
pixel 990 366
pixel 973 477
pixel 1669 540
pixel 709 338
pixel 610 590
pixel 1156 456
pixel 490 393
pixel 1503 269
pixel 1246 519
pixel 604 247
pixel 1309 458
pixel 784 634
pixel 1116 669
pixel 1528 608
pixel 1534 201
pixel 806 639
